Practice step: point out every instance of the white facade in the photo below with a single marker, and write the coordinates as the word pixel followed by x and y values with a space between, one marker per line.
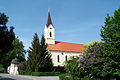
pixel 13 69
pixel 49 33
pixel 59 58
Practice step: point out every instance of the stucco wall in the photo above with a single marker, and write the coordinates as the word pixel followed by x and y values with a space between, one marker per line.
pixel 47 30
pixel 62 57
pixel 13 69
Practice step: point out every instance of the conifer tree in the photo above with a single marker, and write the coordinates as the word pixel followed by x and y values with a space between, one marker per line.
pixel 39 59
pixel 33 58
pixel 45 57
pixel 110 34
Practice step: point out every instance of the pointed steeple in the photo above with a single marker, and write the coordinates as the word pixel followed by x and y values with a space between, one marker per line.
pixel 49 20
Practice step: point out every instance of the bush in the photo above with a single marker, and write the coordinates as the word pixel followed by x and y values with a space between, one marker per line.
pixel 72 69
pixel 93 65
pixel 45 73
pixel 65 77
pixel 87 78
pixel 1 68
pixel 58 69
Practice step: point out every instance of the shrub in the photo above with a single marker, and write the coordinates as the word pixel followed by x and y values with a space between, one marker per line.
pixel 86 45
pixel 68 77
pixel 94 48
pixel 58 69
pixel 95 65
pixel 72 68
pixel 22 68
pixel 45 73
pixel 1 68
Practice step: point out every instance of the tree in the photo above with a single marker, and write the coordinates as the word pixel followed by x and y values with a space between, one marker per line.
pixel 93 65
pixel 110 34
pixel 17 52
pixel 6 39
pixel 39 59
pixel 71 67
pixel 86 48
pixel 98 66
pixel 3 19
pixel 33 55
pixel 45 57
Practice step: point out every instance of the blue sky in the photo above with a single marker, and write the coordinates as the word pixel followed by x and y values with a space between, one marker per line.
pixel 75 21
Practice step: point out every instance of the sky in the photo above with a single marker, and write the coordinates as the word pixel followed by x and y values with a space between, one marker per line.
pixel 75 21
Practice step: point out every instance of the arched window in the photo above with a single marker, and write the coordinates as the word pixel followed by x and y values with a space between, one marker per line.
pixel 50 34
pixel 66 58
pixel 58 58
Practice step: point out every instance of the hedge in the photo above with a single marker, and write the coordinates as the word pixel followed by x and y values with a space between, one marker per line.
pixel 45 73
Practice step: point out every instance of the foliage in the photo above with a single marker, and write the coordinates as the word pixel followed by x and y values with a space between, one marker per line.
pixel 110 34
pixel 45 73
pixel 86 45
pixel 33 58
pixel 39 59
pixel 17 52
pixel 93 65
pixel 65 77
pixel 22 67
pixel 1 68
pixel 3 19
pixel 101 61
pixel 98 66
pixel 10 47
pixel 72 68
pixel 6 39
pixel 45 57
pixel 94 48
pixel 58 69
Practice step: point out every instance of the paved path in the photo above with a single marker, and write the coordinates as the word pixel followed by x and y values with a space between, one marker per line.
pixel 21 77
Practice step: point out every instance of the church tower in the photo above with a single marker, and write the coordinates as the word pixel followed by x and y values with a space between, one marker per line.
pixel 49 31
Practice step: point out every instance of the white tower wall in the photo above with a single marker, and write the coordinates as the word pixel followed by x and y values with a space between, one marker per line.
pixel 49 33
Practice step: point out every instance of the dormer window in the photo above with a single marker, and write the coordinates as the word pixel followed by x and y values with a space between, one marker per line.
pixel 50 34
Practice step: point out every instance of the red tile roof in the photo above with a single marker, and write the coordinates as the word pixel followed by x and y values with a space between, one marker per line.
pixel 65 46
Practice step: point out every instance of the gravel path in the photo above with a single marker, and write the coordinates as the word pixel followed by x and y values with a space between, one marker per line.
pixel 21 77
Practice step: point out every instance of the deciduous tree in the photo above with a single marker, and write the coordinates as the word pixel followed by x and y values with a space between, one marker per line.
pixel 6 39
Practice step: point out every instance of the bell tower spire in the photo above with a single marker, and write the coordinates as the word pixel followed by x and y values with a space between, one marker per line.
pixel 49 31
pixel 49 20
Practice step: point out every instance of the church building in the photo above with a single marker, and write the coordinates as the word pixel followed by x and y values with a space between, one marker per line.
pixel 60 51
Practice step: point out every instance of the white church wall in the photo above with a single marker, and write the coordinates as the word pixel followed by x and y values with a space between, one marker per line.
pixel 62 57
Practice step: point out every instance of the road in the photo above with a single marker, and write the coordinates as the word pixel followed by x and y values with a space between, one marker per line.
pixel 22 77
